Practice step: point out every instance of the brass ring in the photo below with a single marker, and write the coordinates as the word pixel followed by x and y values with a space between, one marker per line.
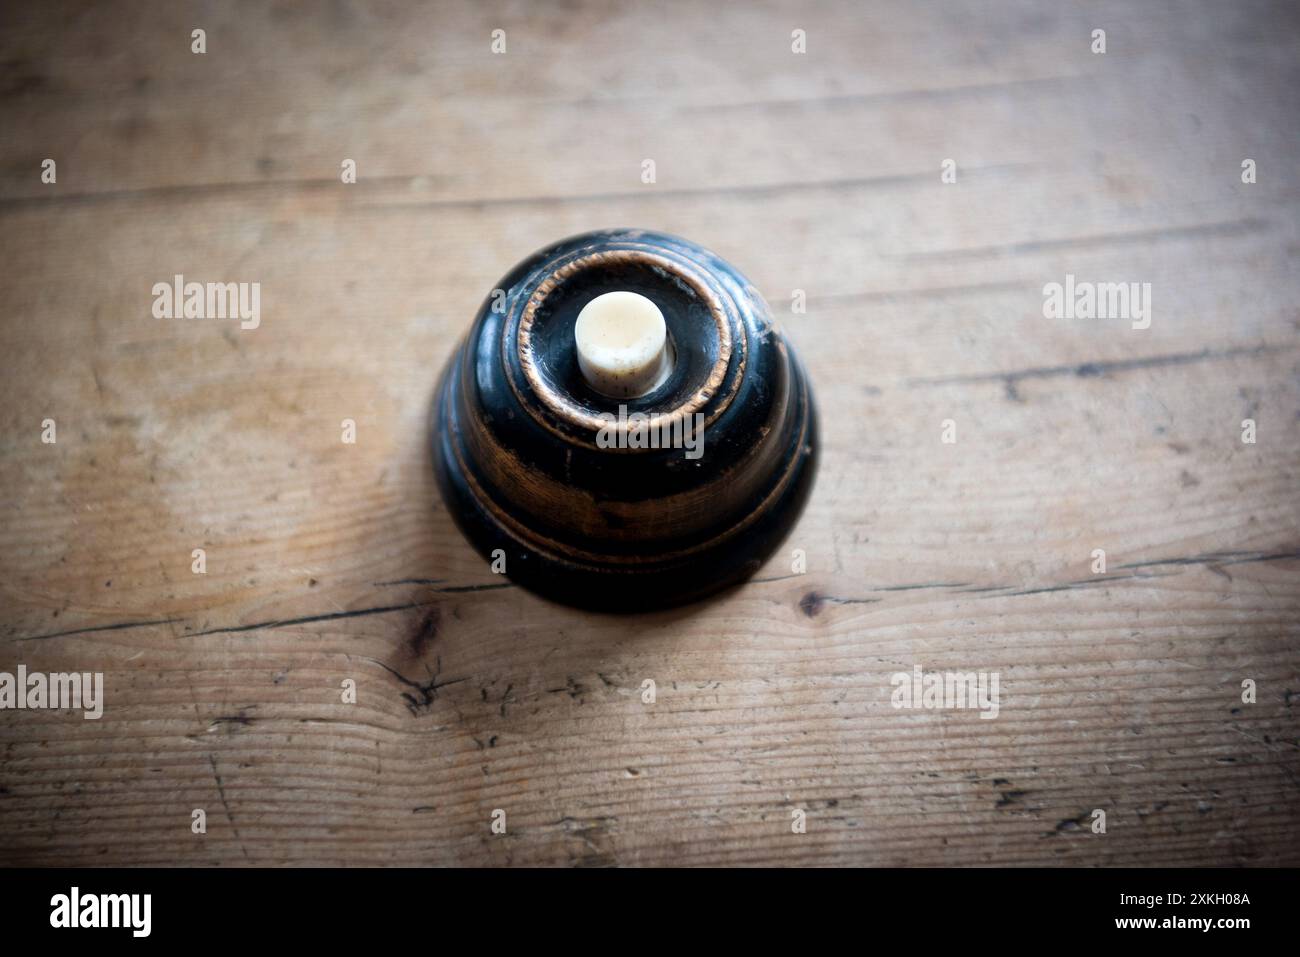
pixel 573 414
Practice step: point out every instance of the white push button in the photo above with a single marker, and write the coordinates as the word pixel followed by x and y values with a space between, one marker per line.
pixel 622 344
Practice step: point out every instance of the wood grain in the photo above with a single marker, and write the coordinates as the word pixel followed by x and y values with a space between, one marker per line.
pixel 818 172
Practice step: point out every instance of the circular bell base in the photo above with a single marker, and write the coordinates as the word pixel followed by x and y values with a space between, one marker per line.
pixel 574 495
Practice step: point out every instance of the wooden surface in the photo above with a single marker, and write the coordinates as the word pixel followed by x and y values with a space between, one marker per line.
pixel 821 172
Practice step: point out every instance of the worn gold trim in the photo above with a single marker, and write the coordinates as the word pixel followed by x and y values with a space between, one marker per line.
pixel 574 415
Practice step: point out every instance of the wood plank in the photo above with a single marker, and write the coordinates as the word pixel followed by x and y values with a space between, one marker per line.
pixel 327 561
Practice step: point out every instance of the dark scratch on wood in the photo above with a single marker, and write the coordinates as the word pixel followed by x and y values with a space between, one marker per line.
pixel 309 619
pixel 199 191
pixel 428 692
pixel 890 96
pixel 449 589
pixel 839 184
pixel 1229 228
pixel 923 292
pixel 86 631
pixel 1088 370
pixel 221 790
pixel 190 191
pixel 1220 558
